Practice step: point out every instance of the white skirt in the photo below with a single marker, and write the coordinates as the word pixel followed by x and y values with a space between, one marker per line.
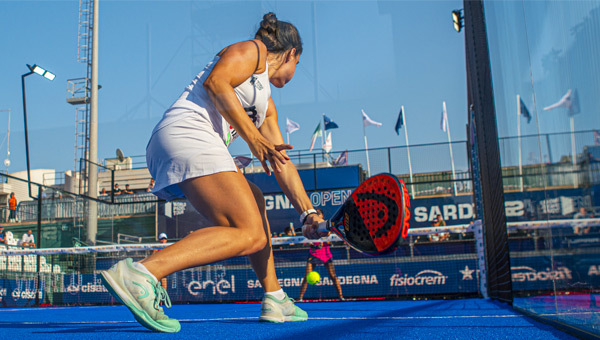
pixel 185 149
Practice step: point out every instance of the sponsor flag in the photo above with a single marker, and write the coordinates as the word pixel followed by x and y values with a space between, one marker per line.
pixel 524 112
pixel 291 126
pixel 570 101
pixel 444 121
pixel 316 134
pixel 328 144
pixel 342 159
pixel 399 122
pixel 368 121
pixel 329 124
pixel 596 137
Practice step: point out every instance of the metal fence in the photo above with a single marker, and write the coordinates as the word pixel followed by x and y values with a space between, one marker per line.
pixel 427 173
pixel 70 207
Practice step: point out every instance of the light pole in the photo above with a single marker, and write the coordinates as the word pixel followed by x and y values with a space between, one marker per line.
pixel 50 76
pixel 7 160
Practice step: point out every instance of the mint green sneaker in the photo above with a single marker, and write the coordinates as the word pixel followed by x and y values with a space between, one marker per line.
pixel 141 294
pixel 274 310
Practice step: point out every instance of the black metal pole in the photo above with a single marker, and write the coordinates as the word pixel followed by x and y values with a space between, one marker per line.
pixel 39 217
pixel 481 100
pixel 39 244
pixel 112 185
pixel 26 133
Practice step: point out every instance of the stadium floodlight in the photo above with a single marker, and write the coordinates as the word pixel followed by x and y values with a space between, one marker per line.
pixel 50 76
pixel 42 72
pixel 457 19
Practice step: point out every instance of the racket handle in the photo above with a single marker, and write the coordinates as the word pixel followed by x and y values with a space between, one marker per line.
pixel 324 226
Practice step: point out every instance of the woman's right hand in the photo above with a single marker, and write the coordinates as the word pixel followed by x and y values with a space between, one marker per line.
pixel 310 229
pixel 265 151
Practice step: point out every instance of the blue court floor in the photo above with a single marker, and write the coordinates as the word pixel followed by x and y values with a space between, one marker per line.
pixel 437 319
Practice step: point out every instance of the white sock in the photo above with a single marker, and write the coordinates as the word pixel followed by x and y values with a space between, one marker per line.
pixel 278 294
pixel 143 269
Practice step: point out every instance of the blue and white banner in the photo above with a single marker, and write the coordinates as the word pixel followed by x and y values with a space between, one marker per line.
pixel 178 218
pixel 20 293
pixel 238 282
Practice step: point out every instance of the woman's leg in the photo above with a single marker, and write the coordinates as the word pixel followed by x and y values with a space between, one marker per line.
pixel 262 261
pixel 227 200
pixel 309 268
pixel 336 282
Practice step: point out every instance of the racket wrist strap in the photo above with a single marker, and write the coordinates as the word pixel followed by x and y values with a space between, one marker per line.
pixel 305 214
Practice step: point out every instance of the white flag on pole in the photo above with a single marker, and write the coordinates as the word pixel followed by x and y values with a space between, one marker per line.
pixel 444 121
pixel 569 101
pixel 328 143
pixel 291 126
pixel 565 101
pixel 368 121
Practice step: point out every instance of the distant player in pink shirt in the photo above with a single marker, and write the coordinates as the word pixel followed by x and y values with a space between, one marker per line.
pixel 319 253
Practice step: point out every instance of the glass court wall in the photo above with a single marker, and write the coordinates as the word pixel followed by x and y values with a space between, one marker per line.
pixel 546 79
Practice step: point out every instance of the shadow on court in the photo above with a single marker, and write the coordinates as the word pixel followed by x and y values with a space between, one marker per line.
pixel 376 320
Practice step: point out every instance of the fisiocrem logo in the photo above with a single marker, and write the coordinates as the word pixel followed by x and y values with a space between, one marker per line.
pixel 222 287
pixel 425 277
pixel 528 274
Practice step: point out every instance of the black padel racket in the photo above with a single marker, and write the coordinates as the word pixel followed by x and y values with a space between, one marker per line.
pixel 374 217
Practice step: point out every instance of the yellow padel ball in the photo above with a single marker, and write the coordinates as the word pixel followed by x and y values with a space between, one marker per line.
pixel 313 277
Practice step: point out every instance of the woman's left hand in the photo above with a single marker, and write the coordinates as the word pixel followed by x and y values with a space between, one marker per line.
pixel 266 151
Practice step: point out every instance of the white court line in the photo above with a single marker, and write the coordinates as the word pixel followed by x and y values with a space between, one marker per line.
pixel 50 308
pixel 311 318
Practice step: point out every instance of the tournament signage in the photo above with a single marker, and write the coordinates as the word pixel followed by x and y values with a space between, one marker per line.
pixel 521 206
pixel 328 188
pixel 178 218
pixel 20 293
pixel 238 282
pixel 221 283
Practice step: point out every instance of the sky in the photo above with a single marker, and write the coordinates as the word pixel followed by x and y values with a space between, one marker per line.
pixel 375 56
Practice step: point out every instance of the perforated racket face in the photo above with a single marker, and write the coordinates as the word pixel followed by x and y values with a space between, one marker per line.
pixel 374 216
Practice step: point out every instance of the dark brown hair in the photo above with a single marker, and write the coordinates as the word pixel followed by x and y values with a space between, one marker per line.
pixel 278 36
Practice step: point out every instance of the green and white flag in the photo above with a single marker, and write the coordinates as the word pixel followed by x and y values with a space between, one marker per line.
pixel 317 133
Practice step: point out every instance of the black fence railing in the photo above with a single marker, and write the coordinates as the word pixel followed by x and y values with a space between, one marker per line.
pixel 429 175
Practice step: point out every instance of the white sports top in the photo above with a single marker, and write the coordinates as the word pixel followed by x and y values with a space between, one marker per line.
pixel 253 94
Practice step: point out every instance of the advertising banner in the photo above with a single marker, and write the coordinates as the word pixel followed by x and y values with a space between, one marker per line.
pixel 20 293
pixel 361 279
pixel 328 188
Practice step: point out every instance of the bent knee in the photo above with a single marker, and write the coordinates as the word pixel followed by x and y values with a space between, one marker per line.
pixel 254 242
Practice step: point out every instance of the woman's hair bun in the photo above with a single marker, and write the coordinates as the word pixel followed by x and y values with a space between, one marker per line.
pixel 278 36
pixel 269 22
